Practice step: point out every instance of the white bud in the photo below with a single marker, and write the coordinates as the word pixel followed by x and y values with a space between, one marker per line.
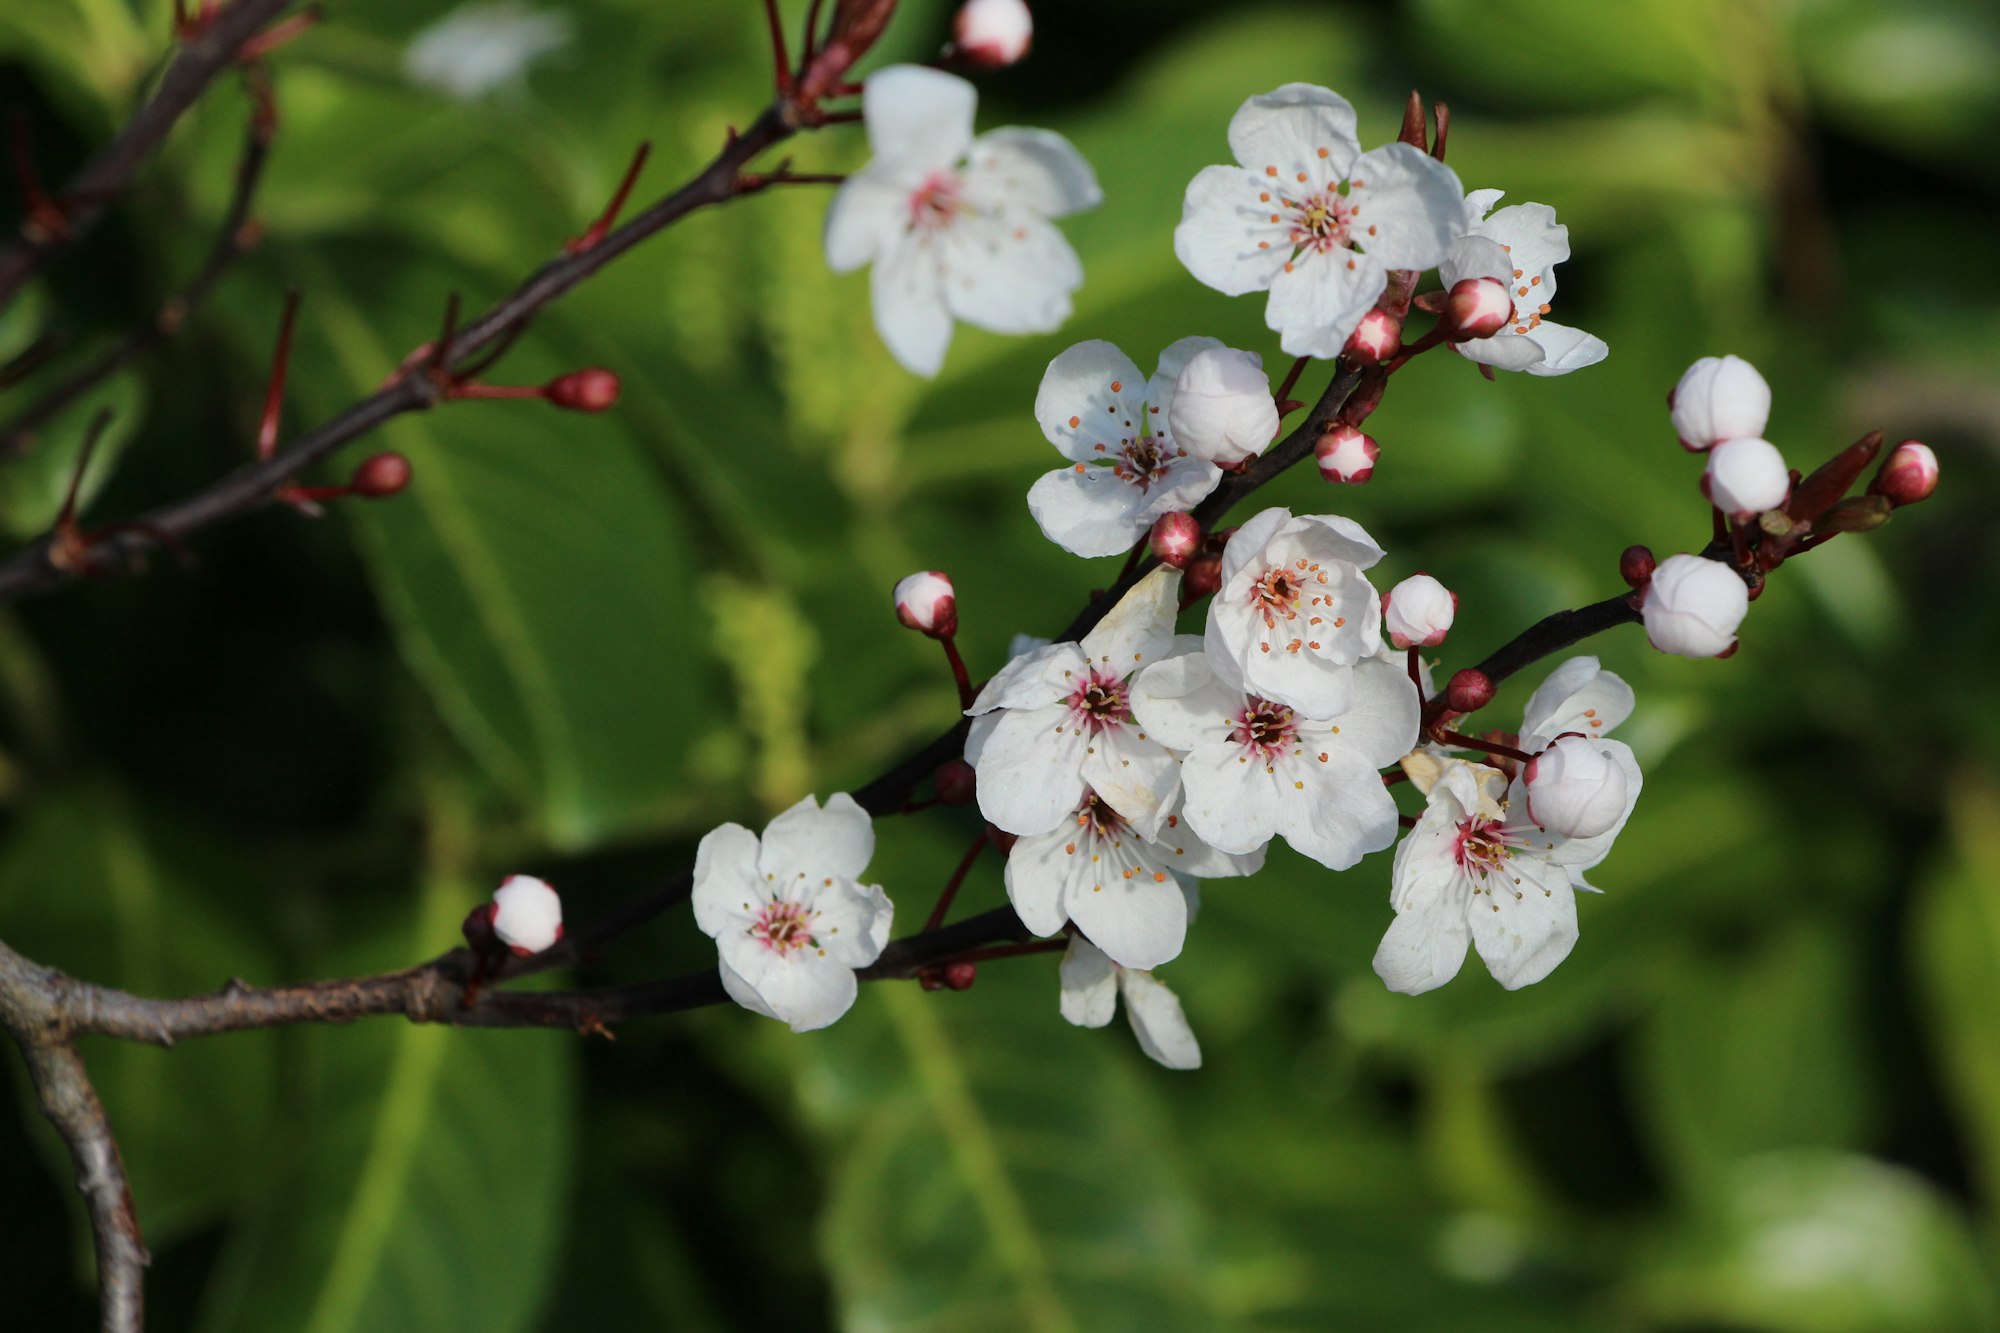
pixel 993 33
pixel 1575 788
pixel 926 603
pixel 1346 455
pixel 1720 398
pixel 1746 476
pixel 527 914
pixel 1222 408
pixel 1693 606
pixel 1417 612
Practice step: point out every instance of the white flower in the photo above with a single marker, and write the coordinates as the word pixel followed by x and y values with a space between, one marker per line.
pixel 1519 245
pixel 1119 886
pixel 1417 613
pixel 1312 218
pixel 926 602
pixel 1746 476
pixel 1091 984
pixel 790 922
pixel 1127 464
pixel 956 227
pixel 477 49
pixel 993 33
pixel 1575 787
pixel 527 914
pixel 1295 612
pixel 1720 398
pixel 1578 696
pixel 1059 719
pixel 1222 406
pixel 1253 769
pixel 1692 606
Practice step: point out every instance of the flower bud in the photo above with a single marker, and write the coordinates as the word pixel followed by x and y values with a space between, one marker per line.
pixel 1418 611
pixel 1575 788
pixel 1221 408
pixel 1204 576
pixel 1720 398
pixel 925 602
pixel 592 390
pixel 1375 339
pixel 1468 691
pixel 961 975
pixel 1692 606
pixel 993 33
pixel 1636 565
pixel 380 476
pixel 1907 475
pixel 956 782
pixel 1346 455
pixel 1746 476
pixel 527 914
pixel 1478 308
pixel 1175 540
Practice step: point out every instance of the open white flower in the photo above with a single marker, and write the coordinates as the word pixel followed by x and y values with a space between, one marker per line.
pixel 789 918
pixel 1120 887
pixel 1126 468
pixel 1312 218
pixel 1059 719
pixel 1253 769
pixel 1295 612
pixel 1520 246
pixel 1091 984
pixel 956 227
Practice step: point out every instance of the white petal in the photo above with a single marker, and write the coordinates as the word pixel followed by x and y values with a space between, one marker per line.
pixel 1580 854
pixel 1158 1022
pixel 1039 871
pixel 1136 919
pixel 1408 206
pixel 727 883
pixel 1250 540
pixel 1181 704
pixel 1380 727
pixel 1535 241
pixel 1287 127
pixel 1226 238
pixel 1160 388
pixel 1316 301
pixel 1339 538
pixel 741 990
pixel 1525 923
pixel 910 311
pixel 1577 696
pixel 1038 171
pixel 1089 985
pixel 1475 257
pixel 1565 349
pixel 1029 770
pixel 1426 874
pixel 1088 511
pixel 850 921
pixel 1505 350
pixel 1010 275
pixel 1422 950
pixel 810 842
pixel 1034 679
pixel 1140 629
pixel 805 989
pixel 1233 802
pixel 1185 483
pixel 919 119
pixel 1186 854
pixel 1335 810
pixel 1136 777
pixel 1077 387
pixel 869 213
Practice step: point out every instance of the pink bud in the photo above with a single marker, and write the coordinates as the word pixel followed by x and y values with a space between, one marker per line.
pixel 1175 539
pixel 1575 788
pixel 1346 455
pixel 592 390
pixel 1746 476
pixel 1375 339
pixel 527 914
pixel 1468 691
pixel 1418 612
pixel 380 475
pixel 925 602
pixel 1478 308
pixel 960 976
pixel 1907 475
pixel 993 33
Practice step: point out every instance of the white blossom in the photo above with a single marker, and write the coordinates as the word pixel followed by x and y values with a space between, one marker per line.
pixel 956 227
pixel 1417 613
pixel 1059 720
pixel 789 918
pixel 481 48
pixel 1091 985
pixel 1127 464
pixel 527 914
pixel 1720 398
pixel 1746 476
pixel 1693 605
pixel 1222 406
pixel 1310 217
pixel 1520 246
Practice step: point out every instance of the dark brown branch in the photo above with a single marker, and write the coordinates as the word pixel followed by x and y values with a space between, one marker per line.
pixel 29 572
pixel 236 238
pixel 84 198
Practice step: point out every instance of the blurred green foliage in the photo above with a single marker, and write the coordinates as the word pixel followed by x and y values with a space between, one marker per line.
pixel 1761 1094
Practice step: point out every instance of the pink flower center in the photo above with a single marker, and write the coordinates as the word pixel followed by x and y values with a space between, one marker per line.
pixel 784 927
pixel 1101 702
pixel 1265 729
pixel 1483 845
pixel 1321 220
pixel 936 202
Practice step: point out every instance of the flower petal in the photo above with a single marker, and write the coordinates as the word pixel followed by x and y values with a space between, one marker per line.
pixel 1226 238
pixel 1160 388
pixel 1088 511
pixel 1158 1021
pixel 1565 349
pixel 1505 350
pixel 1287 127
pixel 1029 770
pixel 1037 171
pixel 1033 679
pixel 727 883
pixel 808 841
pixel 1136 777
pixel 1232 803
pixel 1534 241
pixel 1140 629
pixel 1334 810
pixel 1422 950
pixel 1077 388
pixel 741 990
pixel 918 118
pixel 1525 923
pixel 1039 872
pixel 806 989
pixel 1380 726
pixel 869 213
pixel 1577 696
pixel 1408 206
pixel 850 921
pixel 910 310
pixel 1009 275
pixel 1317 300
pixel 1089 985
pixel 1181 704
pixel 1475 257
pixel 1136 919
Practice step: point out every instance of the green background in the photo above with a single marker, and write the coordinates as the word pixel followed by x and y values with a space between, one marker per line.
pixel 1762 1094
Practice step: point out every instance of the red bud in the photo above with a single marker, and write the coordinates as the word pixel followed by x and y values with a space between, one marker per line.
pixel 956 782
pixel 960 976
pixel 1469 691
pixel 380 476
pixel 1636 565
pixel 591 390
pixel 1204 576
pixel 1175 539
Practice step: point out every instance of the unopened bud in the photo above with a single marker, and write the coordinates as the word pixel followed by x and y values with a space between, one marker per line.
pixel 960 976
pixel 956 782
pixel 1692 606
pixel 1418 612
pixel 1636 565
pixel 592 390
pixel 1575 788
pixel 380 475
pixel 1907 475
pixel 1346 455
pixel 1477 308
pixel 928 978
pixel 1204 576
pixel 993 33
pixel 925 602
pixel 1719 398
pixel 1175 539
pixel 1746 476
pixel 527 914
pixel 1468 691
pixel 478 929
pixel 1221 408
pixel 1375 339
